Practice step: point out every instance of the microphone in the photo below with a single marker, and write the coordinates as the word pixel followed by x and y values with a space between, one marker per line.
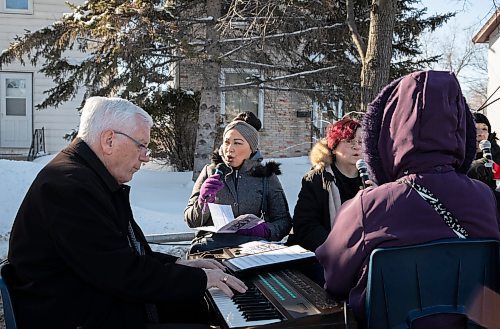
pixel 363 171
pixel 485 146
pixel 221 169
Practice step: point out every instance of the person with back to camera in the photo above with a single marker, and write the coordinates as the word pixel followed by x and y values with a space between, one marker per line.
pixel 418 133
pixel 251 188
pixel 480 169
pixel 78 259
pixel 332 180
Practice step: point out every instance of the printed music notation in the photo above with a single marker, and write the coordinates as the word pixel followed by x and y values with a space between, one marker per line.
pixel 267 258
pixel 257 247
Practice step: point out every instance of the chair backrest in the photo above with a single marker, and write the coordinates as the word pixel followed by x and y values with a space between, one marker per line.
pixel 407 283
pixel 8 310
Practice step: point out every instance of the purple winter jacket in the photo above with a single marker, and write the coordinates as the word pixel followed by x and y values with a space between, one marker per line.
pixel 418 128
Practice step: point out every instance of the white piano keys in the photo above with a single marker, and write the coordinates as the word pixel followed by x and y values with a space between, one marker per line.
pixel 232 315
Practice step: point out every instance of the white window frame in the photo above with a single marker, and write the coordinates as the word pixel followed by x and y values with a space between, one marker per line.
pixel 222 83
pixel 28 11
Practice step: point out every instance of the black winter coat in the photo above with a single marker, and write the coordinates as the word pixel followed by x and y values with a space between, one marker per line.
pixel 246 198
pixel 73 264
pixel 311 218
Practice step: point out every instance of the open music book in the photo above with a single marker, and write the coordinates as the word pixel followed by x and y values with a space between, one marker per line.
pixel 270 257
pixel 224 221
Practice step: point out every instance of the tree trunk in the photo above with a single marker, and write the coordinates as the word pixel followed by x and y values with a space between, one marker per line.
pixel 376 63
pixel 209 113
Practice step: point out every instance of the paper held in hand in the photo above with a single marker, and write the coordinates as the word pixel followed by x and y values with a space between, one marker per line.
pixel 224 221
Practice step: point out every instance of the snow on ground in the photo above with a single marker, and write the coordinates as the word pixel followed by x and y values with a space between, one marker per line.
pixel 158 195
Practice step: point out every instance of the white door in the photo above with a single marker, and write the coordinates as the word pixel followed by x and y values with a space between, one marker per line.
pixel 16 114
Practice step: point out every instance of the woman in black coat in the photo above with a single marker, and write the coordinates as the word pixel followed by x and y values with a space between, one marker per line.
pixel 333 180
pixel 482 168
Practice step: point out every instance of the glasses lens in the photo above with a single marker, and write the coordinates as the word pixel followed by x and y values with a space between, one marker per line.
pixel 355 142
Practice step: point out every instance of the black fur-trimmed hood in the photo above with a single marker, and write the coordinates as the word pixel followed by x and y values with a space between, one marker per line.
pixel 266 170
pixel 255 167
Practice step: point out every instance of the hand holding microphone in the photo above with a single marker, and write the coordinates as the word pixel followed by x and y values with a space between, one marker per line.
pixel 485 146
pixel 209 189
pixel 211 186
pixel 363 172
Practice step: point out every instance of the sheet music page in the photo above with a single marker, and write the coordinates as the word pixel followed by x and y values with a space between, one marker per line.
pixel 221 214
pixel 241 222
pixel 224 221
pixel 280 255
pixel 257 247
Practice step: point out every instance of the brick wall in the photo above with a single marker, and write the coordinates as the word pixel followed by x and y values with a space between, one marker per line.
pixel 284 134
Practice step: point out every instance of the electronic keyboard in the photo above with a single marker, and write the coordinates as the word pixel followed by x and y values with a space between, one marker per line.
pixel 279 299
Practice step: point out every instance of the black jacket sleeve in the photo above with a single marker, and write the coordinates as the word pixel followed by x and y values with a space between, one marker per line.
pixel 311 224
pixel 82 224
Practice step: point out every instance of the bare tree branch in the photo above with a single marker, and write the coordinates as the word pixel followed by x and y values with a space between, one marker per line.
pixel 356 37
pixel 281 35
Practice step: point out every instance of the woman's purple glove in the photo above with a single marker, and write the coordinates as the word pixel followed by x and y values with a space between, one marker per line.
pixel 260 230
pixel 209 189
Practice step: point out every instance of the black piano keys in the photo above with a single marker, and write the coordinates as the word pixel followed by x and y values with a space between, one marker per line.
pixel 244 310
pixel 278 299
pixel 254 306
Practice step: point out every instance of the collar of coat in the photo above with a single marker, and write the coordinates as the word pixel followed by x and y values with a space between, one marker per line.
pixel 254 167
pixel 321 158
pixel 79 148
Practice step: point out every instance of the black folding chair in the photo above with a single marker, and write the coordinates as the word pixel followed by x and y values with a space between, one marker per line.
pixel 408 283
pixel 8 310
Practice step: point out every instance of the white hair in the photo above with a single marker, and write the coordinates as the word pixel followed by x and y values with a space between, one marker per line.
pixel 101 113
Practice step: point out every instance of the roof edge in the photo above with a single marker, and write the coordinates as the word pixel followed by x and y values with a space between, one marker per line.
pixel 484 34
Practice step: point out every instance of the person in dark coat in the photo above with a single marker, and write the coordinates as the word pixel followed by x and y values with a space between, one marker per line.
pixel 482 168
pixel 418 130
pixel 77 257
pixel 332 180
pixel 251 188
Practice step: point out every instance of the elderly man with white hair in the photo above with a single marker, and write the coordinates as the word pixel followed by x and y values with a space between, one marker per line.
pixel 78 259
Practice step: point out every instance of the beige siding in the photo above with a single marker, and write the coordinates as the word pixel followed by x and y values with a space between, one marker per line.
pixel 493 111
pixel 57 122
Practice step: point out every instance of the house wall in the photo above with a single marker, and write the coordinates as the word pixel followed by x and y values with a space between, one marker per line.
pixel 493 110
pixel 283 133
pixel 57 122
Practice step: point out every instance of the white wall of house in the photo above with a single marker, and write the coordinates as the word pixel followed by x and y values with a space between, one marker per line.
pixel 493 111
pixel 57 122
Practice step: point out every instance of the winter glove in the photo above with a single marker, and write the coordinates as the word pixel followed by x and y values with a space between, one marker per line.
pixel 260 230
pixel 209 189
pixel 480 172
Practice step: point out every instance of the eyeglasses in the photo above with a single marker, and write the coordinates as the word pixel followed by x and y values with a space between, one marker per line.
pixel 142 148
pixel 354 142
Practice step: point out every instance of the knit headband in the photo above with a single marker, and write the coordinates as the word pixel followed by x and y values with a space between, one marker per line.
pixel 247 131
